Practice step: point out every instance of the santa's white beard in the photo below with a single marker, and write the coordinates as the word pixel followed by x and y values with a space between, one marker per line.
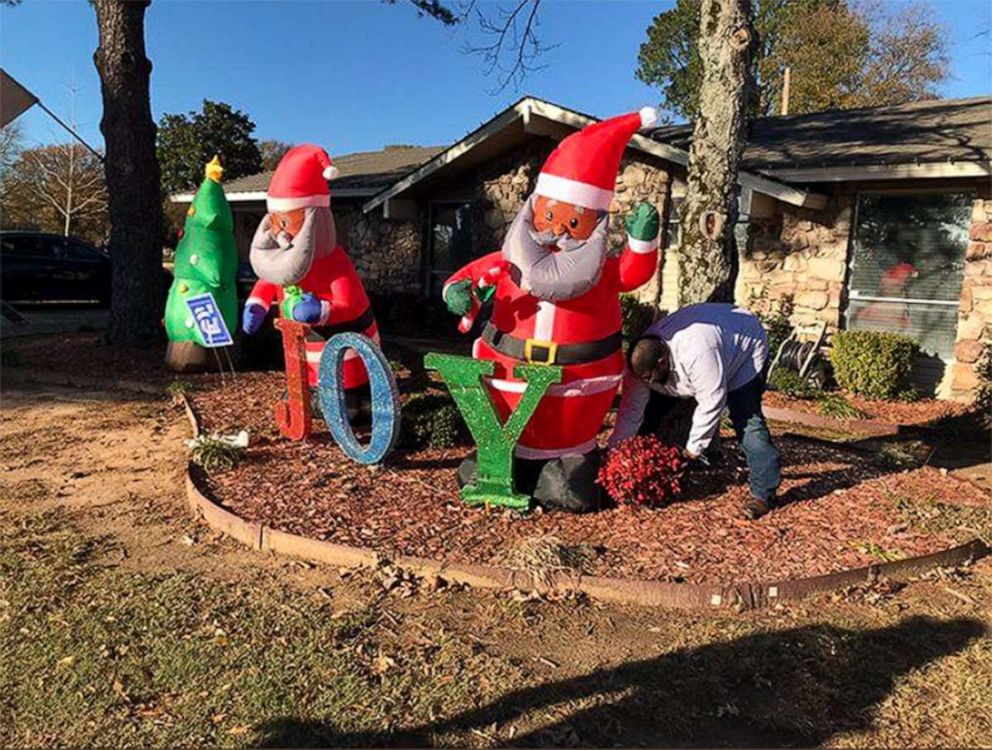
pixel 549 274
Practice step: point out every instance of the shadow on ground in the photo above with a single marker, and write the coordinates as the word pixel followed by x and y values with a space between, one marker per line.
pixel 793 687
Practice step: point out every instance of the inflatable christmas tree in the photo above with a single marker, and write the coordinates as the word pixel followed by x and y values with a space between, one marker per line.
pixel 206 261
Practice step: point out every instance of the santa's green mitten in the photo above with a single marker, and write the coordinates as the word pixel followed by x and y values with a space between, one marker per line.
pixel 643 222
pixel 458 296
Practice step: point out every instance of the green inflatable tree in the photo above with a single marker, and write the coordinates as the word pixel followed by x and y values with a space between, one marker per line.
pixel 206 261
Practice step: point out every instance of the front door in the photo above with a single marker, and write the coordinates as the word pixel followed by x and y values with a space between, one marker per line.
pixel 449 244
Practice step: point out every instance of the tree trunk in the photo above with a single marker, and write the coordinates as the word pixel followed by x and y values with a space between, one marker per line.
pixel 707 252
pixel 132 173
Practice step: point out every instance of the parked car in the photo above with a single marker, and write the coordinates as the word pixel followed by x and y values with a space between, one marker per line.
pixel 39 267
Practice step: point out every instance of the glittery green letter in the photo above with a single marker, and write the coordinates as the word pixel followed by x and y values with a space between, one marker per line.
pixel 495 441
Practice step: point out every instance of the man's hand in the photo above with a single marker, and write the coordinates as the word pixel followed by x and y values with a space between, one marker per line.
pixel 252 318
pixel 694 462
pixel 643 222
pixel 458 297
pixel 307 310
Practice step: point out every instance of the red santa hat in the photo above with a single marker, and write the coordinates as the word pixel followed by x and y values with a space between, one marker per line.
pixel 300 180
pixel 583 168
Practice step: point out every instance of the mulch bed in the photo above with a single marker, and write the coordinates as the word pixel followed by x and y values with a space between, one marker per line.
pixel 915 413
pixel 845 509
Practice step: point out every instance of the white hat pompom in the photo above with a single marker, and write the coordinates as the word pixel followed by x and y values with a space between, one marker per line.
pixel 331 172
pixel 649 116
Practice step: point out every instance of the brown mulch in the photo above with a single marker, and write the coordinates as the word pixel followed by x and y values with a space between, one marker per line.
pixel 842 507
pixel 922 412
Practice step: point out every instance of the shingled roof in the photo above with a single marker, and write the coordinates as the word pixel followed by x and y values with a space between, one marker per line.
pixel 941 130
pixel 367 171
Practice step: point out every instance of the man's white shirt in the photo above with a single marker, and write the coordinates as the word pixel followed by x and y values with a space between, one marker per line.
pixel 715 349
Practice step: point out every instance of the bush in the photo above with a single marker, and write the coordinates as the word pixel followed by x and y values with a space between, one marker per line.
pixel 873 364
pixel 836 406
pixel 431 420
pixel 643 471
pixel 983 394
pixel 636 316
pixel 214 453
pixel 789 383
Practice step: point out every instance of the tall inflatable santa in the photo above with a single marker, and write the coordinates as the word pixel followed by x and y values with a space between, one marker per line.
pixel 301 266
pixel 555 293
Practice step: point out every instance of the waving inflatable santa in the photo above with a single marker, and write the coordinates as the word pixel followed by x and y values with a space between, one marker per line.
pixel 555 293
pixel 301 266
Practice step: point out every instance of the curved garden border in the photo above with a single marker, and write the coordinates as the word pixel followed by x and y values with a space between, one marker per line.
pixel 739 596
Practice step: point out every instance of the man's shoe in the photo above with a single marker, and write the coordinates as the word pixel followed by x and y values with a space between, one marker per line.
pixel 755 508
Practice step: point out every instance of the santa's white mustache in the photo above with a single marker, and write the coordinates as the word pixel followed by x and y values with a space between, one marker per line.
pixel 562 241
pixel 284 240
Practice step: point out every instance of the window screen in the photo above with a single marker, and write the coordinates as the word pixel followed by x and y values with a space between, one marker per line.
pixel 907 266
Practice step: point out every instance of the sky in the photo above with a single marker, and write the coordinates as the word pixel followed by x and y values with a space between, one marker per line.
pixel 356 75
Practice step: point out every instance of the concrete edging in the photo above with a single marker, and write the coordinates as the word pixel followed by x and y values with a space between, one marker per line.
pixel 737 596
pixel 872 427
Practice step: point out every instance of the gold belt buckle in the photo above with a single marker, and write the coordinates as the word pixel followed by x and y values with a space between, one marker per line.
pixel 550 347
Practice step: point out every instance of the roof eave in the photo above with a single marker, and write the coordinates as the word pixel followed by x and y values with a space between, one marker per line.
pixel 860 172
pixel 249 196
pixel 528 106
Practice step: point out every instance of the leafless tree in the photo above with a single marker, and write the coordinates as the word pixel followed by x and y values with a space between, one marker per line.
pixel 11 144
pixel 514 45
pixel 69 180
pixel 56 188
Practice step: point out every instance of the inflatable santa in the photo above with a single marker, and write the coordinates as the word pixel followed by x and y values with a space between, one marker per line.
pixel 302 267
pixel 555 293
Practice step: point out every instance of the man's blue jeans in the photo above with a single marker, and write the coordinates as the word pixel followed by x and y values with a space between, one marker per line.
pixel 744 405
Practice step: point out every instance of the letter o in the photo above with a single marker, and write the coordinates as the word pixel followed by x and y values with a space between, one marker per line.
pixel 385 397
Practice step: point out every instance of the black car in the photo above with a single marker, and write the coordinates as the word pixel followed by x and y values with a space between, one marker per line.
pixel 37 267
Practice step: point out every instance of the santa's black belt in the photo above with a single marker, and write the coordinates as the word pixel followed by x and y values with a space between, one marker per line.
pixel 358 325
pixel 541 352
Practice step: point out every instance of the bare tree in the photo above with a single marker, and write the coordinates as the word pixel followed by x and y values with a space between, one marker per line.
pixel 57 188
pixel 514 45
pixel 709 210
pixel 68 180
pixel 11 143
pixel 132 172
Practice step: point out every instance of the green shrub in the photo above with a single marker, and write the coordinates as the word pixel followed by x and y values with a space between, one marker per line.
pixel 789 383
pixel 636 316
pixel 983 394
pixel 431 420
pixel 835 405
pixel 873 364
pixel 216 454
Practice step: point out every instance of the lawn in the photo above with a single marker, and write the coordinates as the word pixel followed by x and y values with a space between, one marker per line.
pixel 123 623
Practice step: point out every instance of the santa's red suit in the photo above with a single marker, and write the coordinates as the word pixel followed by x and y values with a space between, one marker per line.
pixel 581 334
pixel 344 306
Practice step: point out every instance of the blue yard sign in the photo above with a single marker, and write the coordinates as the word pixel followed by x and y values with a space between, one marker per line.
pixel 209 322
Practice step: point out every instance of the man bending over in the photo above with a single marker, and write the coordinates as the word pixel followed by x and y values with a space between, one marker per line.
pixel 716 354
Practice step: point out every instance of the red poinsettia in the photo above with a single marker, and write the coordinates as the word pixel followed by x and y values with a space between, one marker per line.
pixel 643 471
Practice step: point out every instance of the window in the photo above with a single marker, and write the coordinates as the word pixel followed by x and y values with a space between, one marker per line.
pixel 450 243
pixel 907 266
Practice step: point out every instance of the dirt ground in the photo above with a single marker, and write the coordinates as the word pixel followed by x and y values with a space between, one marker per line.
pixel 124 622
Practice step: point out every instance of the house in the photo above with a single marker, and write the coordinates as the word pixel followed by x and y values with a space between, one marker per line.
pixel 877 218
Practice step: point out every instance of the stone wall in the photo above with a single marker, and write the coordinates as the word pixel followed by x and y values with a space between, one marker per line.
pixel 386 253
pixel 975 312
pixel 797 259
